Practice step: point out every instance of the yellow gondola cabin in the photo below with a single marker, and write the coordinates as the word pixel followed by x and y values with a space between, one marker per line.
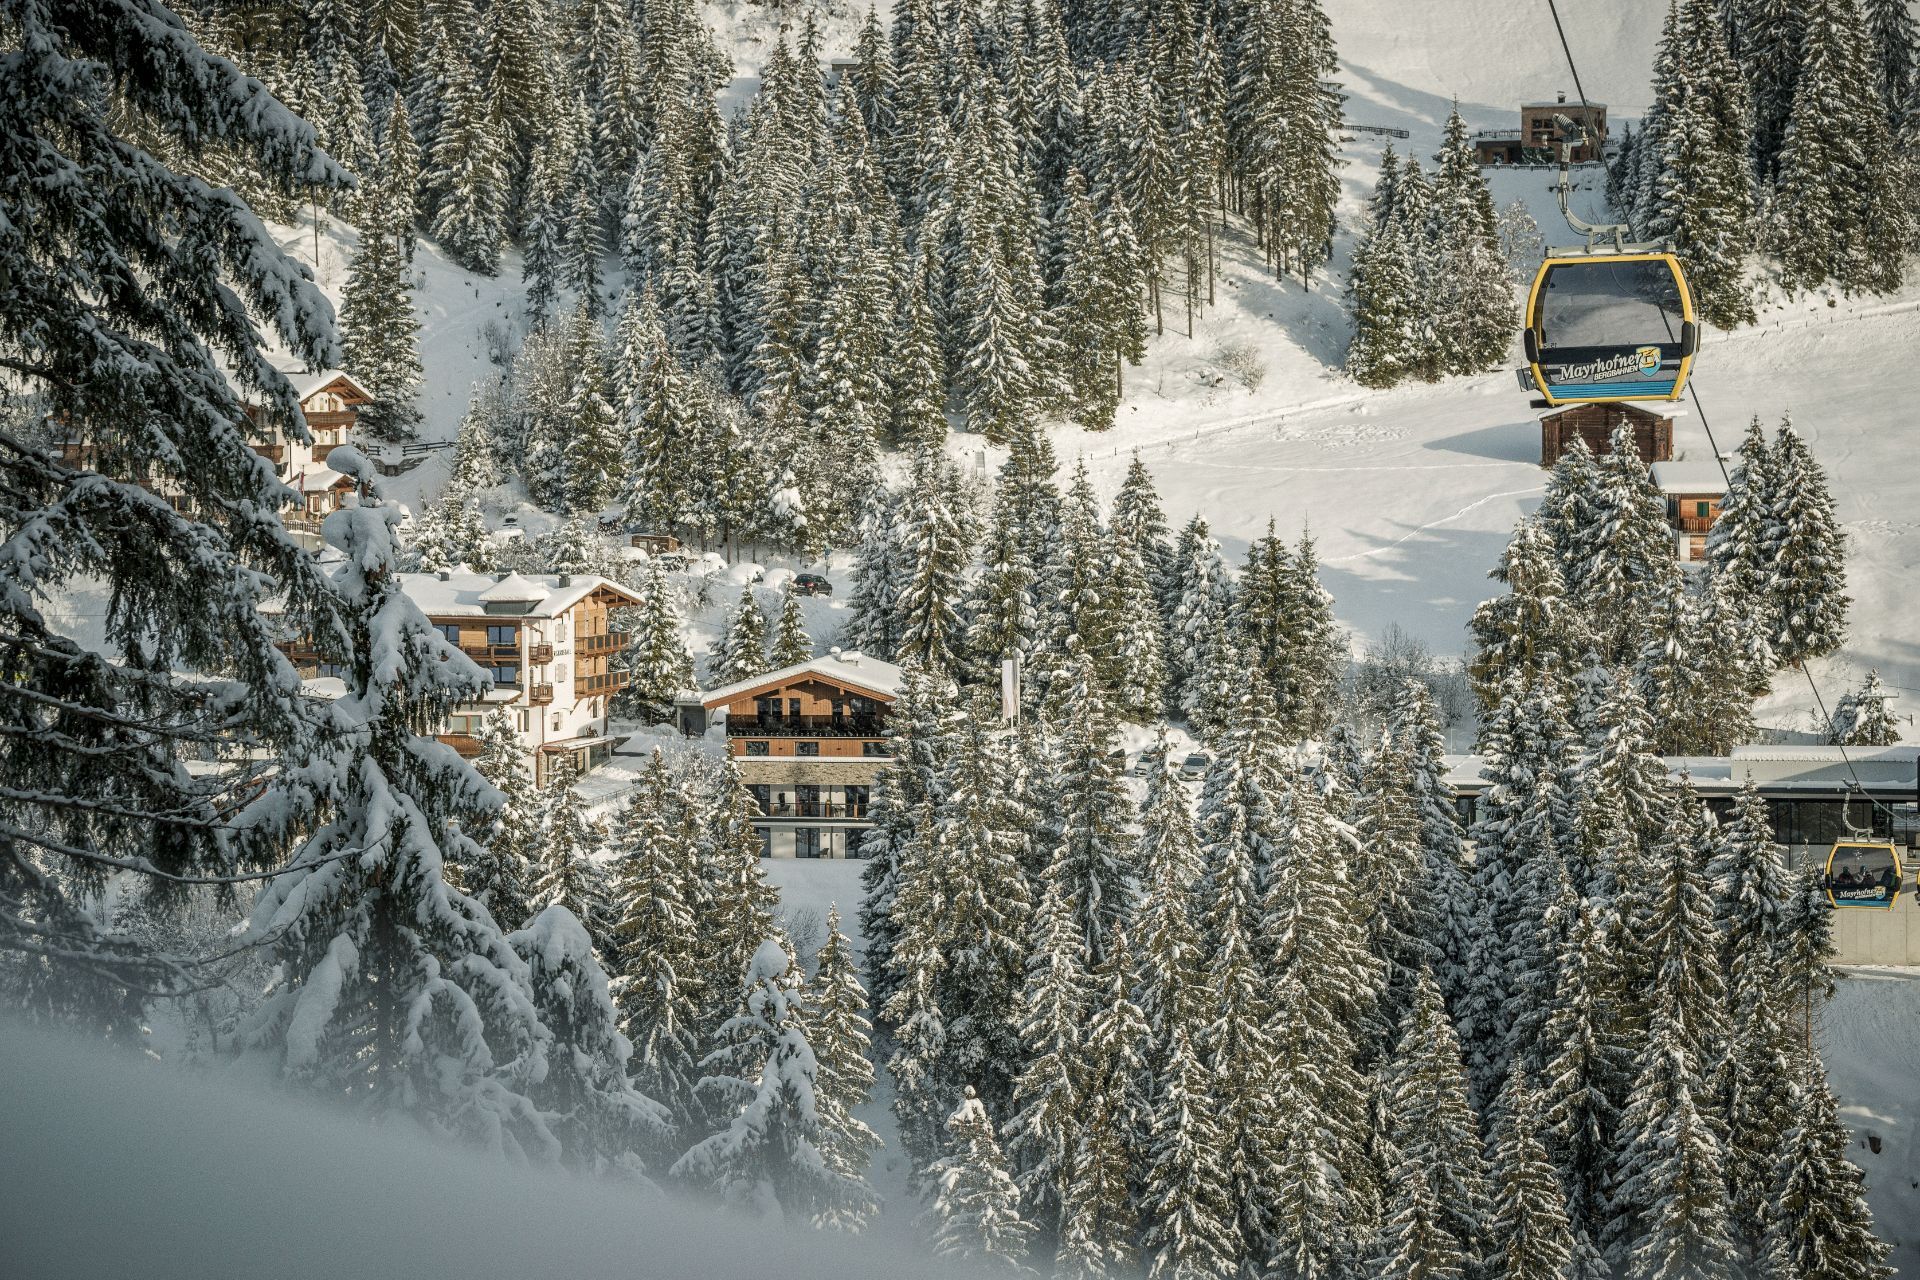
pixel 1610 326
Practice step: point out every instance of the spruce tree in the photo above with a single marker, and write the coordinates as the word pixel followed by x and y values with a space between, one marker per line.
pixel 1534 630
pixel 764 1079
pixel 1821 1225
pixel 656 660
pixel 1704 196
pixel 937 543
pixel 398 989
pixel 974 1215
pixel 1047 1125
pixel 790 644
pixel 741 653
pixel 466 172
pixel 565 873
pixel 500 875
pixel 377 321
pixel 1737 545
pixel 1528 1228
pixel 1861 717
pixel 1806 550
pixel 655 985
pixel 1477 291
pixel 841 1036
pixel 602 1121
pixel 1432 1128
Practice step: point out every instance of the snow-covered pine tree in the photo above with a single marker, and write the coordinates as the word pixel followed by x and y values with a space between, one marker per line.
pixel 1047 1124
pixel 735 906
pixel 960 950
pixel 1704 190
pixel 592 450
pixel 1670 1202
pixel 1453 914
pixel 1806 550
pixel 1820 1224
pixel 450 534
pixel 1093 850
pixel 477 462
pixel 1383 288
pixel 130 337
pixel 602 1121
pixel 655 985
pixel 499 871
pixel 764 1081
pixel 565 869
pixel 790 644
pixel 841 1037
pixel 1527 1230
pixel 1534 632
pixel 1861 717
pixel 741 652
pixel 1840 210
pixel 1432 1127
pixel 974 1214
pixel 1767 36
pixel 1476 295
pixel 936 543
pixel 1896 57
pixel 1629 561
pixel 398 990
pixel 656 659
pixel 466 174
pixel 1737 546
pixel 377 322
pixel 1198 621
pixel 1100 1220
pixel 874 626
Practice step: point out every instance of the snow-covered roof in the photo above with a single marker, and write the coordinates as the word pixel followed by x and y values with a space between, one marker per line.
pixel 849 667
pixel 305 383
pixel 514 588
pixel 460 595
pixel 320 479
pixel 1774 767
pixel 1688 477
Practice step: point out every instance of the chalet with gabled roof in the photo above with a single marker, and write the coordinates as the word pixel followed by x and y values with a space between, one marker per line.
pixel 810 741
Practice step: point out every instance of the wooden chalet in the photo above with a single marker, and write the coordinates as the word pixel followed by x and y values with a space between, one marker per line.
pixel 1695 492
pixel 811 741
pixel 1594 423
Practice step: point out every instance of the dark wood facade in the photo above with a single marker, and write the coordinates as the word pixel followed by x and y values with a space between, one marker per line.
pixel 1594 423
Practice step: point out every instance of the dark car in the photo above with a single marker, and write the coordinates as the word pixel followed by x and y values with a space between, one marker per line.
pixel 811 584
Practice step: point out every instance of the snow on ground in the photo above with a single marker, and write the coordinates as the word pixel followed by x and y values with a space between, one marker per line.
pixel 1870 1038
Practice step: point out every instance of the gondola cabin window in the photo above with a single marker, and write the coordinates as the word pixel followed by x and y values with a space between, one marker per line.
pixel 1610 327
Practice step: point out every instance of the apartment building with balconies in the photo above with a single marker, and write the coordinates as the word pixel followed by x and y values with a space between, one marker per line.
pixel 546 642
pixel 810 741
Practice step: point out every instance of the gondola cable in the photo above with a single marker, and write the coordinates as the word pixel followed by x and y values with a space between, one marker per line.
pixel 1693 393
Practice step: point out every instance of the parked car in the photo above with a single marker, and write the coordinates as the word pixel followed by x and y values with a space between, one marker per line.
pixel 811 584
pixel 1195 765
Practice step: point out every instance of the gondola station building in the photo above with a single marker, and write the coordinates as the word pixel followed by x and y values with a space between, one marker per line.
pixel 810 741
pixel 1854 812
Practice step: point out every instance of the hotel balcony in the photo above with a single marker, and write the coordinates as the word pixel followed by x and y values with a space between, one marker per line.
pixel 807 727
pixel 610 642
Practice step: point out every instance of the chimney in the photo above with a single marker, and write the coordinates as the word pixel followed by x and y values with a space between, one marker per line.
pixel 566 579
pixel 1563 97
pixel 445 576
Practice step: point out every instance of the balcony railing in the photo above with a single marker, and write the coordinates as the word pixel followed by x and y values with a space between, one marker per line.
pixel 606 643
pixel 814 809
pixel 807 727
pixel 540 694
pixel 539 653
pixel 464 743
pixel 493 655
pixel 586 686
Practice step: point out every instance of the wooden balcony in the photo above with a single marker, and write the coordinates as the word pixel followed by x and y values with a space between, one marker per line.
pixel 807 727
pixel 607 682
pixel 464 743
pixel 493 655
pixel 540 694
pixel 611 642
pixel 539 653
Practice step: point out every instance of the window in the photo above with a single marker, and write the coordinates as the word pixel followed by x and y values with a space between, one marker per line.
pixel 855 836
pixel 1700 509
pixel 766 708
pixel 756 748
pixel 806 842
pixel 793 707
pixel 762 796
pixel 451 630
pixel 806 800
pixel 807 748
pixel 523 722
pixel 857 801
pixel 503 635
pixel 873 750
pixel 333 669
pixel 766 842
pixel 504 674
pixel 560 630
